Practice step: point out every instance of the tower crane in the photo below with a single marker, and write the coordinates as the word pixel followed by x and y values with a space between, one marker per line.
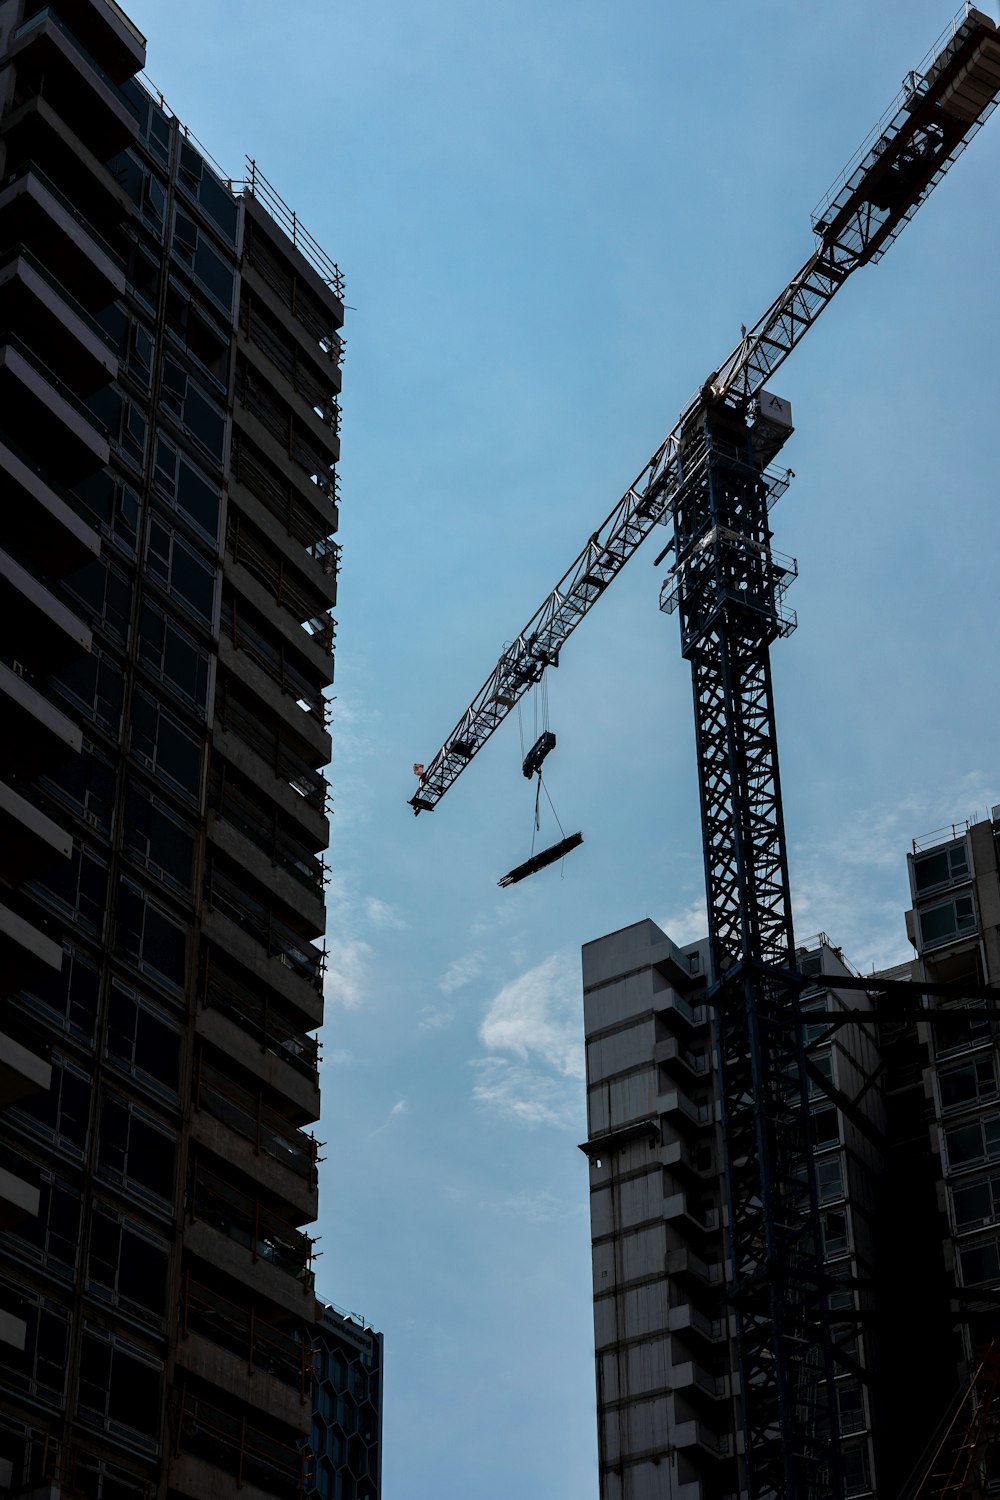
pixel 713 480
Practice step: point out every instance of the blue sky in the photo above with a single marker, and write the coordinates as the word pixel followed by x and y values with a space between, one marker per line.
pixel 553 218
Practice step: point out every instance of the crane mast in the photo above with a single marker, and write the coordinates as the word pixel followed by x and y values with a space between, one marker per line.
pixel 713 478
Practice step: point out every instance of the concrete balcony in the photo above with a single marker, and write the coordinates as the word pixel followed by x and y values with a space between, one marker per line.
pixel 39 523
pixel 290 548
pixel 691 1161
pixel 686 1267
pixel 198 1478
pixel 262 1058
pixel 49 635
pixel 106 31
pixel 50 59
pixel 26 954
pixel 37 133
pixel 22 1071
pixel 267 970
pixel 690 1219
pixel 695 1328
pixel 19 1200
pixel 255 1387
pixel 34 400
pixel 700 1387
pixel 37 734
pixel 307 909
pixel 307 724
pixel 30 842
pixel 234 1150
pixel 684 1113
pixel 238 1262
pixel 697 1437
pixel 34 212
pixel 319 658
pixel 680 1015
pixel 682 1062
pixel 276 452
pixel 274 787
pixel 36 308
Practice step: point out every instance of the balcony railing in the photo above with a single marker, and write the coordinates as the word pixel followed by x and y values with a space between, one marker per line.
pixel 273 659
pixel 287 431
pixel 247 1114
pixel 258 1017
pixel 310 785
pixel 279 496
pixel 60 386
pixel 284 355
pixel 244 1451
pixel 247 1222
pixel 243 1332
pixel 249 818
pixel 48 14
pixel 307 608
pixel 257 185
pixel 275 937
pixel 29 169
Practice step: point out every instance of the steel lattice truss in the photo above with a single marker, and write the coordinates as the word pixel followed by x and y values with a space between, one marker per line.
pixel 728 590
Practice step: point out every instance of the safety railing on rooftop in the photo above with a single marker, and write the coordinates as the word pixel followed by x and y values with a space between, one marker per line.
pixel 946 835
pixel 257 185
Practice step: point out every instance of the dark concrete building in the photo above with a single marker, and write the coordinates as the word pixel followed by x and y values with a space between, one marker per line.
pixel 169 374
pixel 906 1133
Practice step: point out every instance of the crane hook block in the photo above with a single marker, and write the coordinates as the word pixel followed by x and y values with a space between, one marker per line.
pixel 539 861
pixel 539 750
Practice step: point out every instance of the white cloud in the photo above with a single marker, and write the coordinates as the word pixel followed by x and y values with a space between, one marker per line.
pixel 380 914
pixel 346 981
pixel 688 925
pixel 523 1093
pixel 401 1107
pixel 461 972
pixel 533 1033
pixel 540 1014
pixel 435 1017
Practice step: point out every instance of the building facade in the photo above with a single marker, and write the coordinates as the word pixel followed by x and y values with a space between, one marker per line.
pixel 346 1437
pixel 169 431
pixel 906 1131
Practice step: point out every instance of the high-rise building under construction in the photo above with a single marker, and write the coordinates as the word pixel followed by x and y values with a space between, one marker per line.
pixel 906 1132
pixel 170 367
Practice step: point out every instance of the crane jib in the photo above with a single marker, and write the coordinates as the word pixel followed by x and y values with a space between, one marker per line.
pixel 927 126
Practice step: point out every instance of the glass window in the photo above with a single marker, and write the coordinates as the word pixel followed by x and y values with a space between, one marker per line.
pixel 158 839
pixel 154 126
pixel 976 1203
pixel 69 997
pixel 142 1040
pixel 120 1387
pixel 126 423
pixel 941 867
pixel 39 1369
pixel 164 746
pixel 187 577
pixel 947 921
pixel 217 202
pixel 52 1237
pixel 62 1116
pixel 96 687
pixel 126 1265
pixel 829 1178
pixel 192 409
pixel 173 656
pixel 78 889
pixel 136 1152
pixel 980 1263
pixel 149 938
pixel 195 250
pixel 968 1145
pixel 85 784
pixel 115 506
pixel 968 1084
pixel 824 1065
pixel 106 594
pixel 857 1472
pixel 825 1125
pixel 835 1240
pixel 182 483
